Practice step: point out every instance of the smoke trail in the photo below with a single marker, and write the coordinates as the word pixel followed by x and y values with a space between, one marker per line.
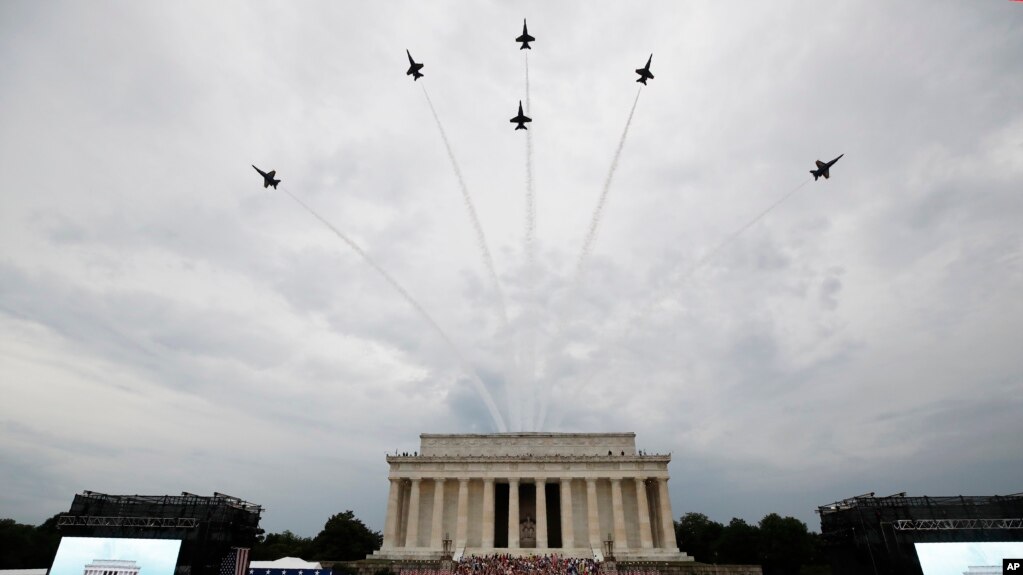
pixel 530 199
pixel 474 377
pixel 710 255
pixel 529 343
pixel 481 242
pixel 588 242
pixel 686 274
pixel 598 212
pixel 481 239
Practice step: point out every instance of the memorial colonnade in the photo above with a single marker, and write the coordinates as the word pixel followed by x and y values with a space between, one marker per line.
pixel 529 493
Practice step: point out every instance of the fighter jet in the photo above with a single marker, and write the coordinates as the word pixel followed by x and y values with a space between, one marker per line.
pixel 413 69
pixel 644 72
pixel 521 119
pixel 822 168
pixel 525 38
pixel 268 178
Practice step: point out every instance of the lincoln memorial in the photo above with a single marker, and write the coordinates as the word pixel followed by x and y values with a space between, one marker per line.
pixel 522 493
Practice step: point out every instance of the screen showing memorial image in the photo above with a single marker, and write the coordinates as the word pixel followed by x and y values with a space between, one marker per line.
pixel 115 556
pixel 979 558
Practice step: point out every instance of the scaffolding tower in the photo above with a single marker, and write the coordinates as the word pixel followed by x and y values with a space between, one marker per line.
pixel 208 527
pixel 876 535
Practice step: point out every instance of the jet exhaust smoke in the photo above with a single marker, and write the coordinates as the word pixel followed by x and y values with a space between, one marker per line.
pixel 529 343
pixel 481 239
pixel 473 376
pixel 731 237
pixel 587 248
pixel 530 199
pixel 599 210
pixel 680 278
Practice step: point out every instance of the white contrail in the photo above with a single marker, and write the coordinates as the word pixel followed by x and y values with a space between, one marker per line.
pixel 676 279
pixel 587 248
pixel 530 199
pixel 473 376
pixel 599 210
pixel 709 255
pixel 529 337
pixel 481 239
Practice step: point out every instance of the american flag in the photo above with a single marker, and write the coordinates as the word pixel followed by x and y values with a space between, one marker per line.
pixel 236 562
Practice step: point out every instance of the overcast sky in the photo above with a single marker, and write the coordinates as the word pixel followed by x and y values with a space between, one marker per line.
pixel 167 324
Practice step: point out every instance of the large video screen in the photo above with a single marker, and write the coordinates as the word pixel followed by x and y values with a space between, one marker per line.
pixel 966 558
pixel 115 556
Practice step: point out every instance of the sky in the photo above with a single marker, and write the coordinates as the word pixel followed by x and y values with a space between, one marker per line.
pixel 167 324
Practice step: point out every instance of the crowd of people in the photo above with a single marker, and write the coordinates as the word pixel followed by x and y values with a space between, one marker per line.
pixel 506 565
pixel 501 564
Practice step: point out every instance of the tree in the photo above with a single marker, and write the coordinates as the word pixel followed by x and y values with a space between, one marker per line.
pixel 739 543
pixel 15 542
pixel 345 538
pixel 697 535
pixel 277 545
pixel 785 544
pixel 26 546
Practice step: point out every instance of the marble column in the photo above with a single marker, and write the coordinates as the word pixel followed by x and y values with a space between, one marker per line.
pixel 412 532
pixel 645 539
pixel 592 517
pixel 437 527
pixel 618 511
pixel 513 514
pixel 541 513
pixel 391 522
pixel 667 522
pixel 488 514
pixel 462 528
pixel 402 524
pixel 567 535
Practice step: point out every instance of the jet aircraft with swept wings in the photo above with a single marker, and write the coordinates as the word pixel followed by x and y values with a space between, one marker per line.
pixel 414 68
pixel 268 178
pixel 644 72
pixel 823 168
pixel 521 119
pixel 525 38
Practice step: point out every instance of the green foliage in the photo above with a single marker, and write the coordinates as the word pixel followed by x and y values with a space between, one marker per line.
pixel 26 546
pixel 739 543
pixel 818 553
pixel 785 544
pixel 345 538
pixel 277 545
pixel 697 535
pixel 781 545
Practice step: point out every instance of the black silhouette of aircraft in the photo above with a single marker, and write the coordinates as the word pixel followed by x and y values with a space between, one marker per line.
pixel 525 38
pixel 822 168
pixel 644 72
pixel 413 69
pixel 521 119
pixel 268 178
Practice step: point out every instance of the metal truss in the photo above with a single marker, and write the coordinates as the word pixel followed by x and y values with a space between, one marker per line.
pixel 164 522
pixel 949 524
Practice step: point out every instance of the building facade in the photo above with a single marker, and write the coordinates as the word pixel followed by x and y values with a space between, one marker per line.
pixel 523 493
pixel 111 567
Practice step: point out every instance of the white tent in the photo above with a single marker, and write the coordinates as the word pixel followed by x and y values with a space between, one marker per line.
pixel 285 563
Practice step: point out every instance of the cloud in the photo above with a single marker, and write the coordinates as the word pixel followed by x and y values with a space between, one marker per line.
pixel 165 316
